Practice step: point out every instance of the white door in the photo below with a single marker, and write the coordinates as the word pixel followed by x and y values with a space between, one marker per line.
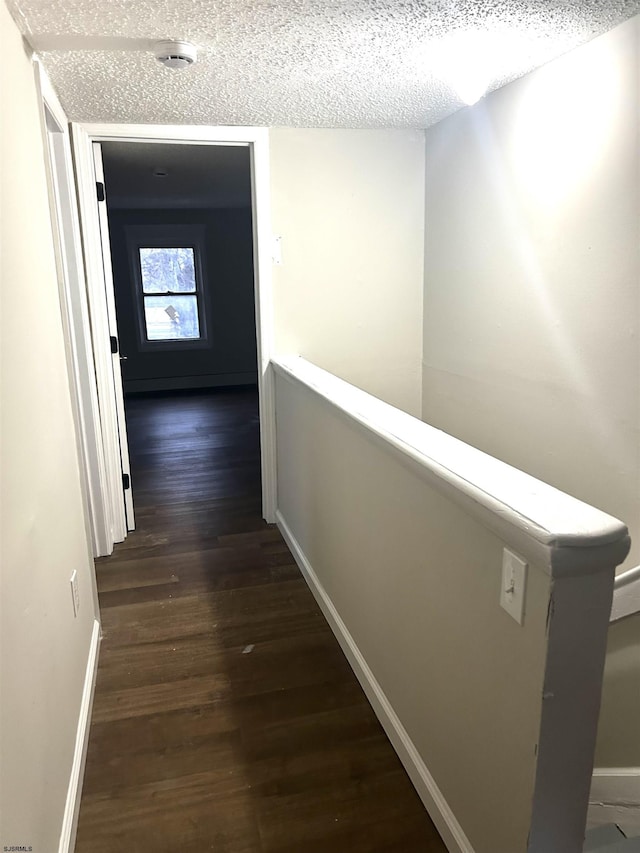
pixel 114 340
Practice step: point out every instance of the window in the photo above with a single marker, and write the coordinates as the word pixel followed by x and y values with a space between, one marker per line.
pixel 173 316
pixel 167 265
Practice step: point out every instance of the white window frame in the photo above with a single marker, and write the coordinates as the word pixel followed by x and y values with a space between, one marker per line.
pixel 168 236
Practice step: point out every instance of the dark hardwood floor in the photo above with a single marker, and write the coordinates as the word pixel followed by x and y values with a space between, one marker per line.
pixel 226 717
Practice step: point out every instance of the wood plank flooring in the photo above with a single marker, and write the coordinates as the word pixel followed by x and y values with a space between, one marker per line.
pixel 226 717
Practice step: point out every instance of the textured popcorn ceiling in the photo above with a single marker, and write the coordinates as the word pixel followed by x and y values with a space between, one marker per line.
pixel 305 63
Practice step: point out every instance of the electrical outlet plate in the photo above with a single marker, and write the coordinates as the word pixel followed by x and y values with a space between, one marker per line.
pixel 514 585
pixel 75 592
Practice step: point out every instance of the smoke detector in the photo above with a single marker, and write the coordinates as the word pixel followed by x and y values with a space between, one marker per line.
pixel 176 54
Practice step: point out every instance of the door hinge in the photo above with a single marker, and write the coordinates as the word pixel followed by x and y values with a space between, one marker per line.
pixel 126 481
pixel 114 344
pixel 100 190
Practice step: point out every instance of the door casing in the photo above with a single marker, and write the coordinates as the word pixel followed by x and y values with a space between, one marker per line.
pixel 257 140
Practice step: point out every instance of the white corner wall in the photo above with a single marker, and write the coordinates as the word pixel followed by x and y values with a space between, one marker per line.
pixel 349 207
pixel 44 648
pixel 413 579
pixel 400 534
pixel 531 307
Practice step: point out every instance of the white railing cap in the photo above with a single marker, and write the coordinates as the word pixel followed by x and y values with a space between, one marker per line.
pixel 554 530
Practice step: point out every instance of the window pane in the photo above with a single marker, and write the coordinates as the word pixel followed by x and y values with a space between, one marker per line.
pixel 171 318
pixel 167 269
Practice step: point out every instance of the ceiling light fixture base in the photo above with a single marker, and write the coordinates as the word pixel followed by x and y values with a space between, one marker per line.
pixel 176 54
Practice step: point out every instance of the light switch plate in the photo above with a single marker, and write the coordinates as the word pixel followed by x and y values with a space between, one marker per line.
pixel 514 585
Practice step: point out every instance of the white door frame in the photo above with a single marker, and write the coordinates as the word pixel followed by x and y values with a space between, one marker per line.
pixel 257 140
pixel 74 310
pixel 112 487
pixel 124 494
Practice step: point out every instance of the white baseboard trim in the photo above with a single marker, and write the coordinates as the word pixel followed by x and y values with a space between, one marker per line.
pixel 184 383
pixel 74 791
pixel 424 783
pixel 615 798
pixel 626 595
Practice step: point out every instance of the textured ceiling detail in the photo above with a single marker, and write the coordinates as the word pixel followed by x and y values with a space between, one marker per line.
pixel 305 63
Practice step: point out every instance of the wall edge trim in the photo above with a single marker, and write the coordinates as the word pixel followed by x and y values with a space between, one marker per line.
pixel 626 594
pixel 434 802
pixel 74 791
pixel 615 798
pixel 619 785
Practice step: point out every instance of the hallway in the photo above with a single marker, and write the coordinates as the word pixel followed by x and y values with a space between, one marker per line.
pixel 226 717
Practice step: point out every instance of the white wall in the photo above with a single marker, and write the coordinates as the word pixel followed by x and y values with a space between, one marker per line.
pixel 409 577
pixel 349 205
pixel 531 309
pixel 415 582
pixel 44 649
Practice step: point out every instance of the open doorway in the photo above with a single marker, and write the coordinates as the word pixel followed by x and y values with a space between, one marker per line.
pixel 180 235
pixel 155 332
